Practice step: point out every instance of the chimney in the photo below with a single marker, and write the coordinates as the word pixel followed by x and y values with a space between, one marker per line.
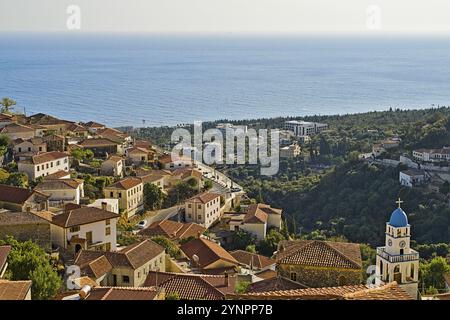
pixel 226 282
pixel 104 206
pixel 84 292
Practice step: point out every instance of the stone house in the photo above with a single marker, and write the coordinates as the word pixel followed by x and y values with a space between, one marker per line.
pixel 128 267
pixel 320 263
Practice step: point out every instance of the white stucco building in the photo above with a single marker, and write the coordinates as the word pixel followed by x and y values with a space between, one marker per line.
pixel 203 209
pixel 85 228
pixel 411 178
pixel 44 164
pixel 304 128
pixel 62 191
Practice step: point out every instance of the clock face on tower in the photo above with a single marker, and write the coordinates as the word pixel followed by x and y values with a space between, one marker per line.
pixel 389 242
pixel 402 244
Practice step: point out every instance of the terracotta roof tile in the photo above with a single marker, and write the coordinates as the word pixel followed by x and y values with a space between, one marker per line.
pixel 132 256
pixel 4 251
pixel 126 183
pixel 172 229
pixel 8 218
pixel 207 251
pixel 82 215
pixel 252 259
pixel 320 253
pixel 16 128
pixel 274 284
pixel 14 290
pixel 97 142
pixel 47 156
pixel 193 286
pixel 167 158
pixel 58 184
pixel 124 293
pixel 14 194
pixel 266 274
pixel 204 197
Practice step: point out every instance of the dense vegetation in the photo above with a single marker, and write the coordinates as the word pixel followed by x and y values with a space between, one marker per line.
pixel 28 261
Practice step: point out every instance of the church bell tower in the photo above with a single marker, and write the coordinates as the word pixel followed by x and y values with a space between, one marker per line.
pixel 396 261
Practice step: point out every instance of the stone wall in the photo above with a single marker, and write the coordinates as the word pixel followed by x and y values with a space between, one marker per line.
pixel 37 232
pixel 321 276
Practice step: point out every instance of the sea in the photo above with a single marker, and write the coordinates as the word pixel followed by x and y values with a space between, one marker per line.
pixel 169 79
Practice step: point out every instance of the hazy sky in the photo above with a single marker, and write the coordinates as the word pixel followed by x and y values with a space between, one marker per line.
pixel 229 15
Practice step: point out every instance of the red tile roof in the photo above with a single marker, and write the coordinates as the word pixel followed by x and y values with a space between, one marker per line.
pixel 82 215
pixel 249 259
pixel 4 251
pixel 12 194
pixel 274 284
pixel 95 268
pixel 320 253
pixel 204 197
pixel 126 183
pixel 173 230
pixel 389 291
pixel 97 142
pixel 47 156
pixel 193 286
pixel 14 290
pixel 133 256
pixel 167 158
pixel 124 293
pixel 207 252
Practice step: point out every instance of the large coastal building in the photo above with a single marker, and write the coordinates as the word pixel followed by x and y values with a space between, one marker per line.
pixel 396 261
pixel 304 128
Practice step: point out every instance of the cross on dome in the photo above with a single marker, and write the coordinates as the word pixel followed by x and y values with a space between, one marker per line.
pixel 399 202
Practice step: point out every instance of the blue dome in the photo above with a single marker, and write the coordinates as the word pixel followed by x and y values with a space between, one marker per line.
pixel 399 219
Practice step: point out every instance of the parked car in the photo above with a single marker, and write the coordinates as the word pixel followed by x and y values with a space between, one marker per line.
pixel 142 224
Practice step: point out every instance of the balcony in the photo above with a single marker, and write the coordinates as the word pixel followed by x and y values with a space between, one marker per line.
pixel 414 255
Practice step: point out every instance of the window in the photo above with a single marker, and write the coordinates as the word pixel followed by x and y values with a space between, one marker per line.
pixel 189 216
pixel 139 274
pixel 107 231
pixel 46 165
pixel 58 163
pixel 51 164
pixel 65 160
pixel 199 217
pixel 125 279
pixel 189 205
pixel 108 222
pixel 108 246
pixel 111 194
pixel 20 149
pixel 75 229
pixel 293 276
pixel 37 168
pixel 40 148
pixel 199 206
pixel 120 194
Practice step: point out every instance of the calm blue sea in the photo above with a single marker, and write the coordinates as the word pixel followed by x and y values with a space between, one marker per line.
pixel 170 79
